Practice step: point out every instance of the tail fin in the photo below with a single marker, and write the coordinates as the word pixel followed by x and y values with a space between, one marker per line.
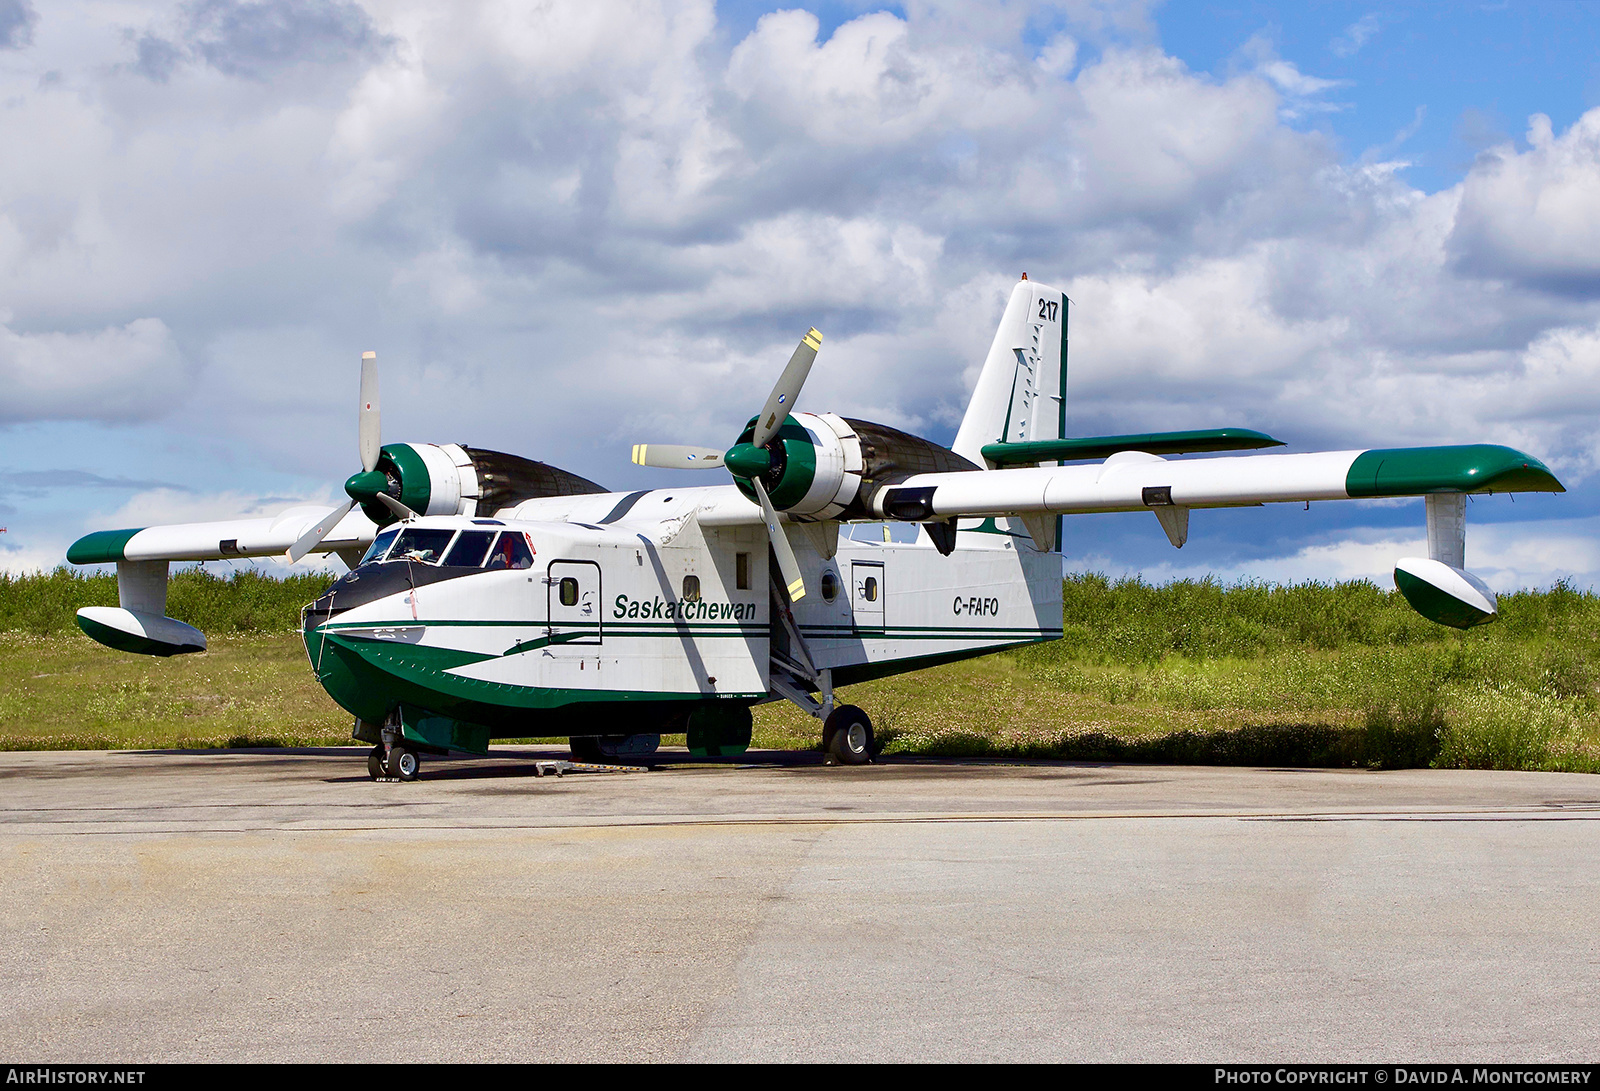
pixel 1022 390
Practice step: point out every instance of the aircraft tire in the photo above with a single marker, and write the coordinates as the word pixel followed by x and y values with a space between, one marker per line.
pixel 586 749
pixel 404 763
pixel 375 762
pixel 848 733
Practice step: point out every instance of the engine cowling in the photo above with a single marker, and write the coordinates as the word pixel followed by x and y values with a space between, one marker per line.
pixel 829 467
pixel 814 465
pixel 450 479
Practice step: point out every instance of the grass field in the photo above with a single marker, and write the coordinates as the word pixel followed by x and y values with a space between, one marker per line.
pixel 1311 674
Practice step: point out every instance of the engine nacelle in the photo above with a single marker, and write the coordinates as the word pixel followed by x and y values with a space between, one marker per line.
pixel 449 479
pixel 829 467
pixel 816 465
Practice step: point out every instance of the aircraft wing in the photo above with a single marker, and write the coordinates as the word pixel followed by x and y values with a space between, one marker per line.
pixel 1133 481
pixel 267 537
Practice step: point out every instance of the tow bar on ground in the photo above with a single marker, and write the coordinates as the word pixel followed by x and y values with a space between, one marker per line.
pixel 561 767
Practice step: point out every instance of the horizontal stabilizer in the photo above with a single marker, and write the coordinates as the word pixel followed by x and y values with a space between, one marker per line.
pixel 1195 441
pixel 138 632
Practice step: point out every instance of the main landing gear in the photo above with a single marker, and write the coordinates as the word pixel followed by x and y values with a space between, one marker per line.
pixel 402 763
pixel 847 736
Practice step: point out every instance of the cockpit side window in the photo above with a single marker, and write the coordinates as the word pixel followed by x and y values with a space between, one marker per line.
pixel 471 547
pixel 425 545
pixel 510 551
pixel 380 545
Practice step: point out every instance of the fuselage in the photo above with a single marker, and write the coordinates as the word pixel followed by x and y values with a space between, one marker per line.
pixel 619 613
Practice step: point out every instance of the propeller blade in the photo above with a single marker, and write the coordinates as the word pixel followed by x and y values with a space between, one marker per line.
pixel 793 581
pixel 367 429
pixel 780 403
pixel 395 506
pixel 668 456
pixel 313 537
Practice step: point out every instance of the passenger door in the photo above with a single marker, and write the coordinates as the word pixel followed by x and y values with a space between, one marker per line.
pixel 866 595
pixel 573 596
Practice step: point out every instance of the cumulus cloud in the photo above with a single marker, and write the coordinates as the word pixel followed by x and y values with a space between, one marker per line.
pixel 17 20
pixel 567 228
pixel 1532 216
pixel 126 372
pixel 258 39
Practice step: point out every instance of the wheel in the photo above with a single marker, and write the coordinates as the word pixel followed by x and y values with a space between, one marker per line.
pixel 718 729
pixel 609 748
pixel 586 749
pixel 403 763
pixel 848 735
pixel 375 762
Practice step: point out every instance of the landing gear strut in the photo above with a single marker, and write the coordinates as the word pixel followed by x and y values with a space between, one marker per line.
pixel 847 736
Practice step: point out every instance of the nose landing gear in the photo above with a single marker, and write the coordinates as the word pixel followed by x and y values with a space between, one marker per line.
pixel 400 763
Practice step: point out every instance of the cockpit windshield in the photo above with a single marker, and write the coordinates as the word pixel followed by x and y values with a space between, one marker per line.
pixel 423 544
pixel 470 549
pixel 380 545
pixel 444 546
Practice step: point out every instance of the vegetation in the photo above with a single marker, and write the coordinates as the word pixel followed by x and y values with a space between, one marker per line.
pixel 1194 671
pixel 248 601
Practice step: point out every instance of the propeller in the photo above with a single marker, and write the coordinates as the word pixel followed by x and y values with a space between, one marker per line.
pixel 753 459
pixel 780 403
pixel 369 483
pixel 670 456
pixel 367 419
pixel 794 582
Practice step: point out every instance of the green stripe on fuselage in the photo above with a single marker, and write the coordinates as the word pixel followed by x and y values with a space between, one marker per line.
pixel 370 677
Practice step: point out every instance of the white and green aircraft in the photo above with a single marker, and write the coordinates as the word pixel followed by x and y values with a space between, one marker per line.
pixel 490 596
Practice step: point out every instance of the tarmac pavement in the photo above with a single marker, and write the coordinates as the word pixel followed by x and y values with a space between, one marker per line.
pixel 278 905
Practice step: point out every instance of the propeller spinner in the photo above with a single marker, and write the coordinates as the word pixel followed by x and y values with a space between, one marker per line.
pixel 752 459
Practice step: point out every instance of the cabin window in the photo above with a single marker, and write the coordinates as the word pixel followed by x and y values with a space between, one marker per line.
pixel 869 590
pixel 426 545
pixel 741 571
pixel 510 551
pixel 380 545
pixel 691 589
pixel 830 586
pixel 471 547
pixel 568 590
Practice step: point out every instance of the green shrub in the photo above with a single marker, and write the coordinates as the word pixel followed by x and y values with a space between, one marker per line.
pixel 247 601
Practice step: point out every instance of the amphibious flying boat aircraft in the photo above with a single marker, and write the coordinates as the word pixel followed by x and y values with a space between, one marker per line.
pixel 491 596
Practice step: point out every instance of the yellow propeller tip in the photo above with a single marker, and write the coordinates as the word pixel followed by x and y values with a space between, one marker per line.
pixel 797 590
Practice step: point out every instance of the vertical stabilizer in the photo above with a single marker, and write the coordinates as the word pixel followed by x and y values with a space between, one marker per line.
pixel 1021 392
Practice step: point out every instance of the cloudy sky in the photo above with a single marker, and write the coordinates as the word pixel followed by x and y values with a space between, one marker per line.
pixel 567 228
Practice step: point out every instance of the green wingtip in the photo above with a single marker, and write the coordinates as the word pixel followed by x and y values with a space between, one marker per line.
pixel 1472 467
pixel 101 547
